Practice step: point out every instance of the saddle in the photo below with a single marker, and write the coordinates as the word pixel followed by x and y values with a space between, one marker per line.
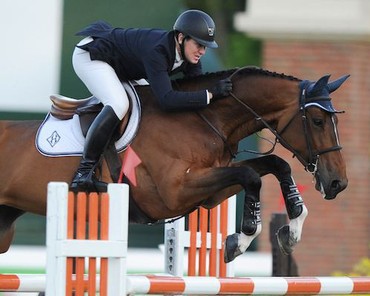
pixel 64 108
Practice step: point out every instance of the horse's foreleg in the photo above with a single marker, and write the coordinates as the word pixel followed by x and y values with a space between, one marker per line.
pixel 8 215
pixel 288 235
pixel 251 226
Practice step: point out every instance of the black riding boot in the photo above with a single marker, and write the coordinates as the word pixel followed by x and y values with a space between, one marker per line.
pixel 97 138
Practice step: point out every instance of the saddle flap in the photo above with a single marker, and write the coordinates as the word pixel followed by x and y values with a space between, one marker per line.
pixel 57 138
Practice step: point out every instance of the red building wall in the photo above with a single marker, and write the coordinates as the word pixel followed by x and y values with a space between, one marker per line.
pixel 336 234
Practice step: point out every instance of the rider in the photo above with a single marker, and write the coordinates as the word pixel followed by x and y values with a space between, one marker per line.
pixel 109 55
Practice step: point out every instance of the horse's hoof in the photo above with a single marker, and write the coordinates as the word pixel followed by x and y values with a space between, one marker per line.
pixel 231 248
pixel 284 241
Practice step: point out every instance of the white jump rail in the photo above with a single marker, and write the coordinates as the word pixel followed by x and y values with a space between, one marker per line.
pixel 171 285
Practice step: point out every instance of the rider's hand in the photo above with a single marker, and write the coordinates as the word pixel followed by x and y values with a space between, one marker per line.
pixel 221 89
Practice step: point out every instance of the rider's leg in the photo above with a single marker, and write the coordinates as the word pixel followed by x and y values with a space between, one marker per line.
pixel 97 138
pixel 102 81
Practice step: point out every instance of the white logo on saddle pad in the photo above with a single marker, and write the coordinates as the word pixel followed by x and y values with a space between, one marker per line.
pixel 57 137
pixel 53 139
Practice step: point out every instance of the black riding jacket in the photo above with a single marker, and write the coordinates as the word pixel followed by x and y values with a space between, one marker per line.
pixel 144 53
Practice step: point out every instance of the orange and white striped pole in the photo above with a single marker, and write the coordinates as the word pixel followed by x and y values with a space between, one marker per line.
pixel 198 285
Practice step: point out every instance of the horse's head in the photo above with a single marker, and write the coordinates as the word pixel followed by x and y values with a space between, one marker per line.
pixel 310 133
pixel 317 146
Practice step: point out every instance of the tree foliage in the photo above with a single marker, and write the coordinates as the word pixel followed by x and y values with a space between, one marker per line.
pixel 236 49
pixel 362 268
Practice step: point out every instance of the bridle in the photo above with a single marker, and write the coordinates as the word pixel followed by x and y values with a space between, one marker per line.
pixel 313 156
pixel 311 164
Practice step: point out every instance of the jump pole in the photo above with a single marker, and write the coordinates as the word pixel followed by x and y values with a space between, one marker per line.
pixel 112 248
pixel 198 285
pixel 252 286
pixel 201 234
pixel 72 243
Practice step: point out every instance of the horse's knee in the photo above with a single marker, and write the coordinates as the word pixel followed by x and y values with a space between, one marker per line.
pixel 251 181
pixel 281 167
pixel 255 182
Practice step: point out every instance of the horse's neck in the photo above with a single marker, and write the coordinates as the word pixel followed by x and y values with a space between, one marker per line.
pixel 269 98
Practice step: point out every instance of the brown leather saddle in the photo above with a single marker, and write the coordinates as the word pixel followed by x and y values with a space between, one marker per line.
pixel 65 108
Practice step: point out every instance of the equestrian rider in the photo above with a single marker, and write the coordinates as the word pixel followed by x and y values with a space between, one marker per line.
pixel 109 55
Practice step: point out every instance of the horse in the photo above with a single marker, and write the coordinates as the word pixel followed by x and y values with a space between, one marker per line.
pixel 187 157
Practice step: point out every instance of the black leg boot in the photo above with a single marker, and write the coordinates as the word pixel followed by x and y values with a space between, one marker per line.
pixel 97 138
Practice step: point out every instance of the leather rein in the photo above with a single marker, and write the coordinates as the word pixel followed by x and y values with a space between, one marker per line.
pixel 313 157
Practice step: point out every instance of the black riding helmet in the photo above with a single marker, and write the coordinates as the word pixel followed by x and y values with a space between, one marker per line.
pixel 197 25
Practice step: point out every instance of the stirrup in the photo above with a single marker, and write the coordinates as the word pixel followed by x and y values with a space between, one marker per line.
pixel 97 186
pixel 87 183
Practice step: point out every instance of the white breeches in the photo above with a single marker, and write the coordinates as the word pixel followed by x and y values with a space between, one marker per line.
pixel 101 80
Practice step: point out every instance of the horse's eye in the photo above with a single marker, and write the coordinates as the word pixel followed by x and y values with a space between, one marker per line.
pixel 318 122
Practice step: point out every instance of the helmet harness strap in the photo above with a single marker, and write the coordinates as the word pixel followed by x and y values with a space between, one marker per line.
pixel 182 45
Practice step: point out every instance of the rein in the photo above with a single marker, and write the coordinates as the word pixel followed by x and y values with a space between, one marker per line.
pixel 313 158
pixel 233 155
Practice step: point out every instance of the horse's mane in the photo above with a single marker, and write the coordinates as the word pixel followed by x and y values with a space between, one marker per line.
pixel 249 70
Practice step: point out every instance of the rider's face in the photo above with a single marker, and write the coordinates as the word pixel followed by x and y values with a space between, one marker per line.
pixel 193 50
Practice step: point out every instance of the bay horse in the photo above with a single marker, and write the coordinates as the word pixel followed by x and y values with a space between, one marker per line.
pixel 187 157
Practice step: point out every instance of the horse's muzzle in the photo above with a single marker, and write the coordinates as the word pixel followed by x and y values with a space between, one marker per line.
pixel 331 187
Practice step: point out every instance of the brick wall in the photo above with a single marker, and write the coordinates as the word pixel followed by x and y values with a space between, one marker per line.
pixel 336 233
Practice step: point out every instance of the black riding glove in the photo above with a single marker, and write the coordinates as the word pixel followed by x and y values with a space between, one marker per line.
pixel 221 89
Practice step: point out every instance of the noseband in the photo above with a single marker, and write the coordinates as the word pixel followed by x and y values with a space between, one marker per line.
pixel 313 156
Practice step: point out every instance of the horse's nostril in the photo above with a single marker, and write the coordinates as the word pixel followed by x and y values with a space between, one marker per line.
pixel 335 185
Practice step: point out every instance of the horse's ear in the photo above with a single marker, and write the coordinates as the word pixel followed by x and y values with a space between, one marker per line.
pixel 320 85
pixel 332 86
pixel 317 88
